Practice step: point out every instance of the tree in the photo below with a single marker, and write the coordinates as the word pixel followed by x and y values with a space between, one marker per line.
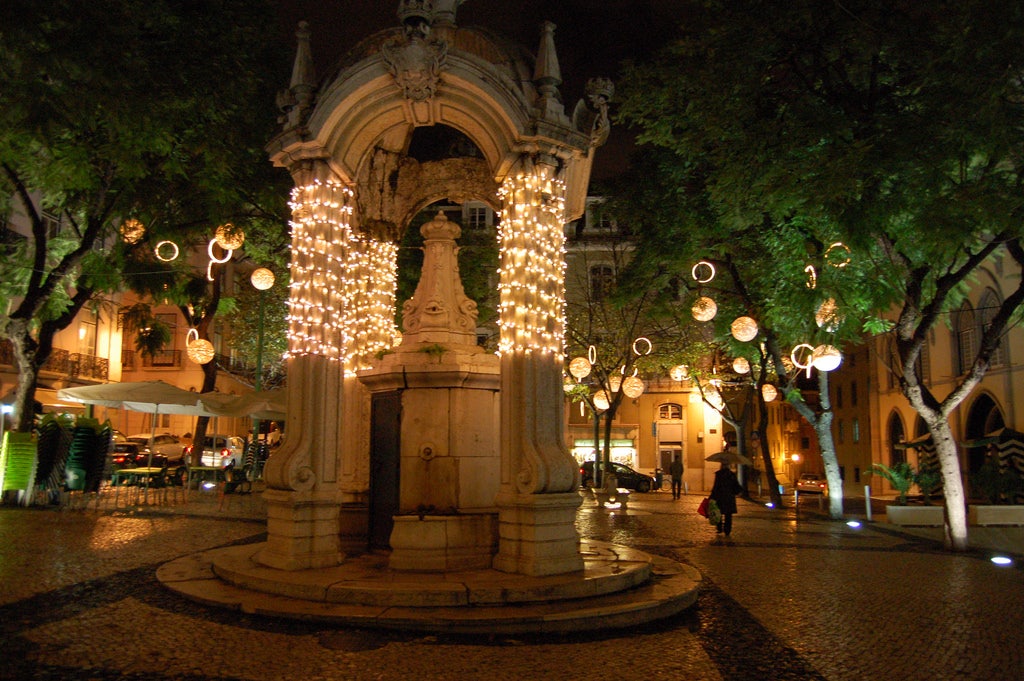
pixel 113 111
pixel 897 124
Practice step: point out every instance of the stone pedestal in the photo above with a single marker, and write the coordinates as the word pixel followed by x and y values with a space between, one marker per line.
pixel 538 534
pixel 441 543
pixel 302 529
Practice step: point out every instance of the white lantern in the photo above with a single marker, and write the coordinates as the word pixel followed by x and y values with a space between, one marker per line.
pixel 579 367
pixel 768 392
pixel 632 387
pixel 132 231
pixel 744 329
pixel 229 237
pixel 741 365
pixel 601 400
pixel 200 351
pixel 614 382
pixel 262 279
pixel 826 358
pixel 679 373
pixel 704 309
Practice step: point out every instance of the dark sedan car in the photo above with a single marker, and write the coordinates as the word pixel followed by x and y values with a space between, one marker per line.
pixel 626 477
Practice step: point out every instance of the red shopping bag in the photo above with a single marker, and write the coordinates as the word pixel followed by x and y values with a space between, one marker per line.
pixel 703 508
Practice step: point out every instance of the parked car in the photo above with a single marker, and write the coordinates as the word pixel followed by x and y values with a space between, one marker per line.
pixel 626 476
pixel 221 450
pixel 812 483
pixel 164 444
pixel 132 455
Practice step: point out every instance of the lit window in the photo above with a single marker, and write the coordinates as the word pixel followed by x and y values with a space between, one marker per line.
pixel 602 277
pixel 967 338
pixel 670 412
pixel 855 434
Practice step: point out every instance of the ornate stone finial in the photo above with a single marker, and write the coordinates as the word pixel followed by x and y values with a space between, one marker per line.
pixel 439 311
pixel 444 12
pixel 547 75
pixel 415 11
pixel 297 101
pixel 591 114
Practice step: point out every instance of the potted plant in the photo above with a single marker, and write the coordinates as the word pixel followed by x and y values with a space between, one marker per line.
pixel 999 487
pixel 928 479
pixel 902 477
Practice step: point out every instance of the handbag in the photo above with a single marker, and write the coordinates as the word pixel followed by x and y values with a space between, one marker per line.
pixel 703 508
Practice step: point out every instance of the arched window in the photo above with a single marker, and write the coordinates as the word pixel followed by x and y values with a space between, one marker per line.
pixel 897 435
pixel 987 309
pixel 602 277
pixel 670 411
pixel 966 338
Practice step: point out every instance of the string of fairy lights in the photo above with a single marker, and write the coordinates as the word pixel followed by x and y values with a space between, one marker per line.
pixel 343 285
pixel 531 240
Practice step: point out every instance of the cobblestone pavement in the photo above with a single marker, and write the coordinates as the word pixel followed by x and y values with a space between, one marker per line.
pixel 786 597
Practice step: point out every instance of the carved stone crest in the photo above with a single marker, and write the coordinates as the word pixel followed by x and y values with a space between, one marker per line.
pixel 415 61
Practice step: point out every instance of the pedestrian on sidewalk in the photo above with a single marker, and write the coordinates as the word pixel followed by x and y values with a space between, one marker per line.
pixel 723 493
pixel 675 470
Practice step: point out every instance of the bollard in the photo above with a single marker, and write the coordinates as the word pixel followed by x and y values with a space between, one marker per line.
pixel 867 501
pixel 796 499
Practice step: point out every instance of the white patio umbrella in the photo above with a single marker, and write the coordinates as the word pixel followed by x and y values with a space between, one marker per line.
pixel 150 397
pixel 263 405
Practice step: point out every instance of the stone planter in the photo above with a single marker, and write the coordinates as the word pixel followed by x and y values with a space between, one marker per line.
pixel 915 515
pixel 1002 514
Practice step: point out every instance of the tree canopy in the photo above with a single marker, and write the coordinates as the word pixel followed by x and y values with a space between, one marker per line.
pixel 894 127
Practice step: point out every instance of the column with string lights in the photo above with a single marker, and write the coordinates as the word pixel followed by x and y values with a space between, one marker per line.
pixel 537 498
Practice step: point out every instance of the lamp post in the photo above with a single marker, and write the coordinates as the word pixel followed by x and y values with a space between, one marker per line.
pixel 262 279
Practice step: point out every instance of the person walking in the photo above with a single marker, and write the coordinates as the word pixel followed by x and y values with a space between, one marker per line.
pixel 675 470
pixel 723 493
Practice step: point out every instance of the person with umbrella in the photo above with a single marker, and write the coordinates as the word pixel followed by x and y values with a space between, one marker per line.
pixel 726 487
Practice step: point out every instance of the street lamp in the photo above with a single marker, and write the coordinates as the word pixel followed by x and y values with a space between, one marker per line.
pixel 262 280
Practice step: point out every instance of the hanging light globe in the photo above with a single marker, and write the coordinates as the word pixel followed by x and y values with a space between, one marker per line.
pixel 632 387
pixel 768 392
pixel 132 231
pixel 704 309
pixel 679 373
pixel 262 279
pixel 826 358
pixel 828 316
pixel 744 329
pixel 741 365
pixel 579 367
pixel 601 400
pixel 614 383
pixel 200 351
pixel 229 237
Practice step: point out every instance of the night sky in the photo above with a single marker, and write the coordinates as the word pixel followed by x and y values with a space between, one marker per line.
pixel 593 37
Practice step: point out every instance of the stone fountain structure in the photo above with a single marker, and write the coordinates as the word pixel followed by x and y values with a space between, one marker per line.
pixel 430 457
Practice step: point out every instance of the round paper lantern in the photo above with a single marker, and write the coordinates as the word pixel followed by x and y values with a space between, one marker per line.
pixel 704 309
pixel 200 351
pixel 826 358
pixel 632 387
pixel 229 237
pixel 679 373
pixel 768 392
pixel 744 329
pixel 262 279
pixel 579 367
pixel 132 231
pixel 741 365
pixel 828 316
pixel 614 382
pixel 601 400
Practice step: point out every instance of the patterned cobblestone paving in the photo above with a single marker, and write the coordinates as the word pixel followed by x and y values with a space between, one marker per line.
pixel 785 598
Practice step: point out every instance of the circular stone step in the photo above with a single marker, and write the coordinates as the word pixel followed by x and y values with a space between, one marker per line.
pixel 618 587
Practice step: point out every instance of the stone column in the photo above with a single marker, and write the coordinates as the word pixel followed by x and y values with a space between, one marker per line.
pixel 537 500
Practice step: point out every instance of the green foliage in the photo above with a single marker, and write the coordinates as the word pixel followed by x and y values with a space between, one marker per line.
pixel 997 485
pixel 928 479
pixel 900 476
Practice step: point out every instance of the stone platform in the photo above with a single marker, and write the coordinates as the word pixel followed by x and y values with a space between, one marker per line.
pixel 618 587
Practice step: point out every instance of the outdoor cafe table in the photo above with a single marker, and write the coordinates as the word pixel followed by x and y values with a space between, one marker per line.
pixel 201 474
pixel 133 476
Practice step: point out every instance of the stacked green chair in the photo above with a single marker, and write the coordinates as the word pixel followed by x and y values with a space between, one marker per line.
pixel 54 442
pixel 83 445
pixel 18 464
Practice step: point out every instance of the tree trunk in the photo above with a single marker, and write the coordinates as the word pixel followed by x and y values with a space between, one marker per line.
pixel 952 483
pixel 26 363
pixel 822 424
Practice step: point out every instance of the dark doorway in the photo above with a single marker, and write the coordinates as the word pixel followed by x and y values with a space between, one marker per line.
pixel 385 439
pixel 984 419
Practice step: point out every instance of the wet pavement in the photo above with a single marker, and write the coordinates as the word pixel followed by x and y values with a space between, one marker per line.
pixel 788 596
